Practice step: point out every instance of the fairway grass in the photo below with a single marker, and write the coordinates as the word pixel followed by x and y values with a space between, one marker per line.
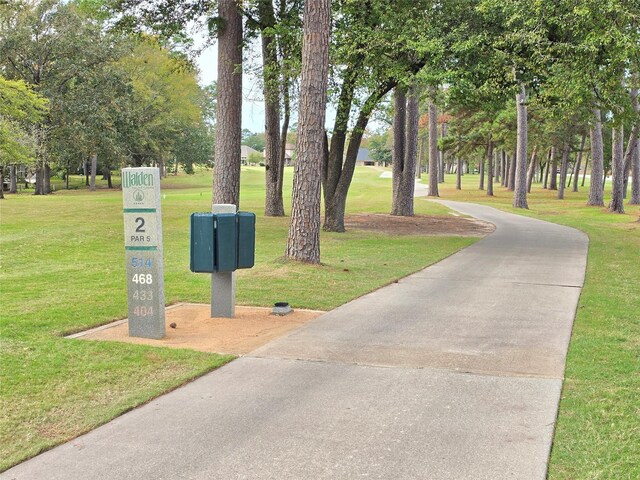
pixel 62 271
pixel 598 431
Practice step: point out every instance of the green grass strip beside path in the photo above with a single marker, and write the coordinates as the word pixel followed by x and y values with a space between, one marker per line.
pixel 598 430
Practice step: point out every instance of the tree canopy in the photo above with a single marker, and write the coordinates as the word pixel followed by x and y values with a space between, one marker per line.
pixel 20 106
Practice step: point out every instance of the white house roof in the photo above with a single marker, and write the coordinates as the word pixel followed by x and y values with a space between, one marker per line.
pixel 245 151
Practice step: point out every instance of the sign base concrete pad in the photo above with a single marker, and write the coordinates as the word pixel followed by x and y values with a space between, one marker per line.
pixel 251 328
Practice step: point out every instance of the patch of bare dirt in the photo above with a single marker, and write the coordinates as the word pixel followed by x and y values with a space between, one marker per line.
pixel 251 328
pixel 426 225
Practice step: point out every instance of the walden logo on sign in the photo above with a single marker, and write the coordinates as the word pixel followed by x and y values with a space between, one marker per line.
pixel 137 179
pixel 138 196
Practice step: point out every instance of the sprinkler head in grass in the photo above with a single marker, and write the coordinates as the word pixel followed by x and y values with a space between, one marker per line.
pixel 281 308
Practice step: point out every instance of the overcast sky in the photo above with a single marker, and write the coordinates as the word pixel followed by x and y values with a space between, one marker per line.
pixel 252 109
pixel 252 105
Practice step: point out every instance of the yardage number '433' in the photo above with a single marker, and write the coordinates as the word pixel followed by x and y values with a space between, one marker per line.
pixel 143 295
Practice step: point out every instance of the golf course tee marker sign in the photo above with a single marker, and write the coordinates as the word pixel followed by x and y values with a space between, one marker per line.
pixel 143 251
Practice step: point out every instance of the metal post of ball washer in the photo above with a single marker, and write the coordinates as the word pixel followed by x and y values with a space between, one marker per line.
pixel 223 284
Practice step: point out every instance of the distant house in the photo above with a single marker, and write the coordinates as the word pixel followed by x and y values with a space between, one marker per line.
pixel 246 152
pixel 289 152
pixel 363 159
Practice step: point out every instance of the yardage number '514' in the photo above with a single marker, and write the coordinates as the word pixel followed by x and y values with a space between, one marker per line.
pixel 139 262
pixel 142 279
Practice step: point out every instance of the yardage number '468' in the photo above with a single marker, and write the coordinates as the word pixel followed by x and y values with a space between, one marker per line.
pixel 142 279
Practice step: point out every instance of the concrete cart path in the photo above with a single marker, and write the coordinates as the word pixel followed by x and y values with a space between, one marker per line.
pixel 454 372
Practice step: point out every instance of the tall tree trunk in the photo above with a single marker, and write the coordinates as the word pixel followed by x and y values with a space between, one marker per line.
pixel 338 169
pixel 333 167
pixel 628 156
pixel 1 181
pixel 421 155
pixel 584 173
pixel 404 151
pixel 226 177
pixel 490 169
pixel 13 179
pixel 550 157
pixel 459 169
pixel 161 168
pixel 635 172
pixel 498 173
pixel 441 166
pixel 405 205
pixel 505 169
pixel 86 169
pixel 617 170
pixel 481 171
pixel 563 170
pixel 433 143
pixel 284 51
pixel 520 182
pixel 303 242
pixel 109 182
pixel 511 182
pixel 553 179
pixel 274 206
pixel 39 185
pixel 596 190
pixel 94 167
pixel 532 168
pixel 576 173
pixel 282 151
pixel 398 152
pixel 46 179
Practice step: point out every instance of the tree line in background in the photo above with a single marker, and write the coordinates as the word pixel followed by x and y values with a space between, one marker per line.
pixel 511 79
pixel 516 90
pixel 107 98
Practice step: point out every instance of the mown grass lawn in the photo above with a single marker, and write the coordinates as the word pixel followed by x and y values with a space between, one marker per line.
pixel 598 430
pixel 62 270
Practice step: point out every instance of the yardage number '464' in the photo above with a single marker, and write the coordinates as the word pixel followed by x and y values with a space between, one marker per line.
pixel 142 279
pixel 141 311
